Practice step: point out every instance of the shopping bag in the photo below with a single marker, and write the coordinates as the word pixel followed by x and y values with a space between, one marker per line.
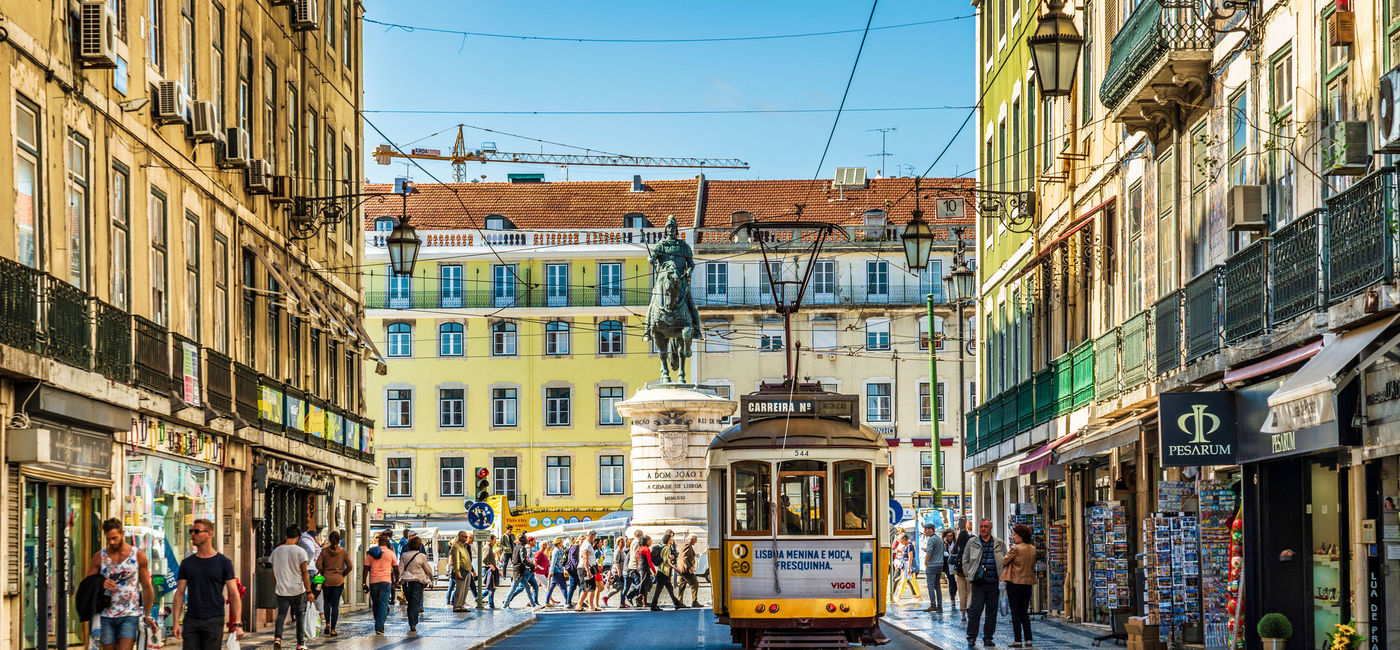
pixel 232 642
pixel 311 622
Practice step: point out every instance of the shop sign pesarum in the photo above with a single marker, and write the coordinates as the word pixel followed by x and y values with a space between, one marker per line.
pixel 1197 429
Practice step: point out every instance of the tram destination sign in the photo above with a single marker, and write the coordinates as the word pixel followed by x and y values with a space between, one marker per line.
pixel 762 406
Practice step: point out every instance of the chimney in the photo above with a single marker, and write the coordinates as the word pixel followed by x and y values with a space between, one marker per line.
pixel 637 185
pixel 700 196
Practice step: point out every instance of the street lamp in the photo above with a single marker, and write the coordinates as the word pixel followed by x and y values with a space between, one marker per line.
pixel 959 281
pixel 403 244
pixel 918 241
pixel 918 246
pixel 1055 48
pixel 961 285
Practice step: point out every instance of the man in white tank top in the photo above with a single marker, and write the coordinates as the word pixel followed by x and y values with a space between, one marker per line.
pixel 127 584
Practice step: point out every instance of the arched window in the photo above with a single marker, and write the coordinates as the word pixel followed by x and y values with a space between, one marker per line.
pixel 556 337
pixel 400 340
pixel 450 339
pixel 610 337
pixel 503 339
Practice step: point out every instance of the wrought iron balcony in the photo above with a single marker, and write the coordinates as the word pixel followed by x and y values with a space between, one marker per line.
pixel 1166 332
pixel 245 392
pixel 1137 351
pixel 1361 236
pixel 514 296
pixel 1106 365
pixel 112 350
pixel 852 294
pixel 1159 56
pixel 1246 289
pixel 1203 314
pixel 1297 260
pixel 218 372
pixel 67 324
pixel 152 356
pixel 19 305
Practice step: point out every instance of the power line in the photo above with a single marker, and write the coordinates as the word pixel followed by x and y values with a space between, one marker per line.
pixel 732 111
pixel 717 39
pixel 849 78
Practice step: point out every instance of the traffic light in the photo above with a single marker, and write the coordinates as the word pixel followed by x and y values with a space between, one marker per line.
pixel 483 484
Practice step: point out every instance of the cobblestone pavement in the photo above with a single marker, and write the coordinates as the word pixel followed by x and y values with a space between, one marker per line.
pixel 947 631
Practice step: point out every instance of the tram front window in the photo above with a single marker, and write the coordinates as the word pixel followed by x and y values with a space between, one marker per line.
pixel 853 481
pixel 752 498
pixel 801 490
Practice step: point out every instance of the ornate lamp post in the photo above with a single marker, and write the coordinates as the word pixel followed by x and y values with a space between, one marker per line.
pixel 1055 48
pixel 961 287
pixel 918 246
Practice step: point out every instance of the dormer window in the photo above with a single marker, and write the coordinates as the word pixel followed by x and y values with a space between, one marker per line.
pixel 385 224
pixel 739 218
pixel 875 218
pixel 635 220
pixel 498 222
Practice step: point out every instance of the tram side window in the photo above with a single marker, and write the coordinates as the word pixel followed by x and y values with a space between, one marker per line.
pixel 853 481
pixel 752 497
pixel 801 490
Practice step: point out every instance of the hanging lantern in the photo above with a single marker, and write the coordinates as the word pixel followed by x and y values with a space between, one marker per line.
pixel 1055 49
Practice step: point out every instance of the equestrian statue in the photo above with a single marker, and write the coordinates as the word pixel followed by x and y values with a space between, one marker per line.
pixel 672 320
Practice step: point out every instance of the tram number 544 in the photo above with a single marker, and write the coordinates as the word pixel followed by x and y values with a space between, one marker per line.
pixel 801 452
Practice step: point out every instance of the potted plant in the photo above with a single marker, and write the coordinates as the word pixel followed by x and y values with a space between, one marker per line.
pixel 1344 637
pixel 1274 630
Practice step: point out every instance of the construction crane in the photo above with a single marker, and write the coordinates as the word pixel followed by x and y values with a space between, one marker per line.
pixel 460 156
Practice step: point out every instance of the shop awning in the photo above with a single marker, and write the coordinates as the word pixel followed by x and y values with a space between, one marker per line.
pixel 272 271
pixel 294 284
pixel 1306 398
pixel 1102 442
pixel 365 337
pixel 1041 458
pixel 1271 364
pixel 1010 467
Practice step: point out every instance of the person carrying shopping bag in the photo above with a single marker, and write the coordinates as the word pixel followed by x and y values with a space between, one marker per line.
pixel 333 565
pixel 906 567
pixel 417 574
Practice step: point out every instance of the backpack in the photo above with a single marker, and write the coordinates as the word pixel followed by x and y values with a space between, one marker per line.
pixel 571 562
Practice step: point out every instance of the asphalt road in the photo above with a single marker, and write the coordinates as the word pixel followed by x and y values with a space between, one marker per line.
pixel 610 630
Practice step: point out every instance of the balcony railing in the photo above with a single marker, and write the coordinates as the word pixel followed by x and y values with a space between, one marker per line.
pixel 112 350
pixel 1203 314
pixel 152 356
pixel 1297 259
pixel 517 297
pixel 1083 359
pixel 1246 292
pixel 854 294
pixel 1166 332
pixel 218 372
pixel 245 392
pixel 19 305
pixel 67 324
pixel 1137 351
pixel 1150 32
pixel 1064 386
pixel 1106 365
pixel 1361 235
pixel 889 234
pixel 487 239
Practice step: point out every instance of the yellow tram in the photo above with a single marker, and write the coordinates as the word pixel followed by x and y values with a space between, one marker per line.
pixel 798 497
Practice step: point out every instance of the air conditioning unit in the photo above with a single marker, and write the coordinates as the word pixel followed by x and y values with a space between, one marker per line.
pixel 281 189
pixel 172 104
pixel 1346 148
pixel 97 34
pixel 204 123
pixel 1388 113
pixel 1245 208
pixel 1341 28
pixel 233 150
pixel 259 177
pixel 304 15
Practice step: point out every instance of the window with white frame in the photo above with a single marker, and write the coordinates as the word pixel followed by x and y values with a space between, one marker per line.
pixel 558 407
pixel 608 397
pixel 504 479
pixel 770 336
pixel 823 333
pixel 503 407
pixel 717 333
pixel 400 340
pixel 716 279
pixel 76 187
pixel 450 284
pixel 556 337
pixel 925 408
pixel 725 390
pixel 926 470
pixel 877 279
pixel 877 402
pixel 823 281
pixel 556 285
pixel 557 477
pixel 877 334
pixel 610 474
pixel 451 403
pixel 450 339
pixel 400 411
pixel 400 480
pixel 27 183
pixel 931 281
pixel 503 339
pixel 503 285
pixel 452 476
pixel 610 337
pixel 609 283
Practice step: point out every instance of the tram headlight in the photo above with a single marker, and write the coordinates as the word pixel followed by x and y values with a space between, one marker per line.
pixel 773 609
pixel 845 607
pixel 758 609
pixel 831 607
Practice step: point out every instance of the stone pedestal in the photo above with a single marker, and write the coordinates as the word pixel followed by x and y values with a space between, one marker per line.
pixel 672 426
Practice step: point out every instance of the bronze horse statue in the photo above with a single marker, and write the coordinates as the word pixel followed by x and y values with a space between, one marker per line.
pixel 669 324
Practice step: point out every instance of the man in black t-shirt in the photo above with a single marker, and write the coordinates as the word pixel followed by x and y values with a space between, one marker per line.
pixel 205 577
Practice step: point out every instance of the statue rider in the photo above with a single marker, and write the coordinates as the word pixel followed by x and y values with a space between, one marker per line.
pixel 671 249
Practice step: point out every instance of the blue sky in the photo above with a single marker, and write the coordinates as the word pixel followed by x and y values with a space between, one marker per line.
pixel 921 66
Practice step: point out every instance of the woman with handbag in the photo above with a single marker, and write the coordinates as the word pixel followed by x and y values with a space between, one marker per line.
pixel 1018 572
pixel 417 574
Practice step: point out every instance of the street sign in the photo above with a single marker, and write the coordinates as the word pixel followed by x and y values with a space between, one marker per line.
pixel 480 515
pixel 949 208
pixel 896 512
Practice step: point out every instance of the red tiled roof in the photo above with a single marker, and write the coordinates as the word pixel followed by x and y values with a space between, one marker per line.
pixel 573 204
pixel 778 200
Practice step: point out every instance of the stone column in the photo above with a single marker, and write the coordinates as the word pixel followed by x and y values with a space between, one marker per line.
pixel 672 426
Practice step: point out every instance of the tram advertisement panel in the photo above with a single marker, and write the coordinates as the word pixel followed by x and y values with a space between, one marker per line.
pixel 817 568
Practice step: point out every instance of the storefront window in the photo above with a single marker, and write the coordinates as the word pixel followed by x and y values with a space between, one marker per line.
pixel 1329 588
pixel 162 499
pixel 60 534
pixel 752 481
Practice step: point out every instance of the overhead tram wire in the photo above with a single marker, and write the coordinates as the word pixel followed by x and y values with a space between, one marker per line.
pixel 730 111
pixel 846 93
pixel 719 39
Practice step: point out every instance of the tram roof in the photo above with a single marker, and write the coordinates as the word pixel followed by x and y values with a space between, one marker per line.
pixel 800 431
